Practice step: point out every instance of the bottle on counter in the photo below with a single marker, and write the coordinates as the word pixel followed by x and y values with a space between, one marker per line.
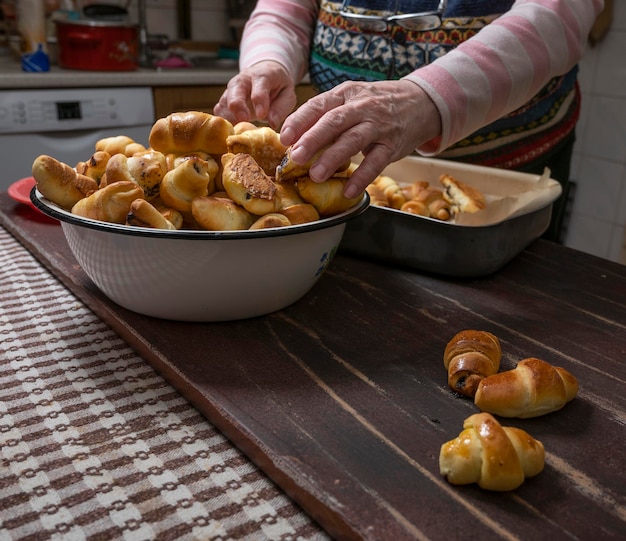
pixel 31 24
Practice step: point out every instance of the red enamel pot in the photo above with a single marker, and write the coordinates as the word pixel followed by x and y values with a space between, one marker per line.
pixel 96 45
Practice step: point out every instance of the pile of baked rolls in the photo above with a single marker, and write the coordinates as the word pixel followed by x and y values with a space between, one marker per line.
pixel 199 172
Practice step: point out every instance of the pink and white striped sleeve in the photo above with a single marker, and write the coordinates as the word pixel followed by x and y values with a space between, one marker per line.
pixel 505 64
pixel 280 30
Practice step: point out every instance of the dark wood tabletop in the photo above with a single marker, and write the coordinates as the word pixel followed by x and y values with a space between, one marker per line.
pixel 342 397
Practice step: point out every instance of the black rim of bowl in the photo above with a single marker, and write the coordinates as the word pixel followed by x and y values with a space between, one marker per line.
pixel 54 211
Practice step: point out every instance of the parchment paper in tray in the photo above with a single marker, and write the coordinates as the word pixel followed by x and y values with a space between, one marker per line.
pixel 519 207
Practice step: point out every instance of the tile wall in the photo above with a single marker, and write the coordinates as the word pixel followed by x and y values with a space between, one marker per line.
pixel 598 219
pixel 209 20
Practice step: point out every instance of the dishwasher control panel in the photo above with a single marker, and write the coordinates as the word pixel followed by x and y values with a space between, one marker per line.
pixel 36 111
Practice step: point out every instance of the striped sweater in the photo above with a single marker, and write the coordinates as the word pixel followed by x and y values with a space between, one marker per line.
pixel 501 72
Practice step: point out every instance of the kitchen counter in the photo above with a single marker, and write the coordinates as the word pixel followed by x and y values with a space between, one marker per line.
pixel 12 77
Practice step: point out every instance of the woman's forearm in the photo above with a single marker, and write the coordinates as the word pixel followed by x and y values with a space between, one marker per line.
pixel 505 64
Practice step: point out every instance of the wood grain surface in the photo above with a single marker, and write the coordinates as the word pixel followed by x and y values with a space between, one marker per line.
pixel 342 398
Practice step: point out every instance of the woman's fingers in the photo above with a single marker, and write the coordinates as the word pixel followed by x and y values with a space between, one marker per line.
pixel 385 121
pixel 261 92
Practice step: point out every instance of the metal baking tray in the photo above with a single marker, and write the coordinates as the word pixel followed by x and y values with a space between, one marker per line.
pixel 454 249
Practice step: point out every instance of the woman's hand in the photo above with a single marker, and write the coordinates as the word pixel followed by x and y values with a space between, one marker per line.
pixel 263 92
pixel 384 120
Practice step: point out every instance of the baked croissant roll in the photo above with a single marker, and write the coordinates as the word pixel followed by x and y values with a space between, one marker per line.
pixel 462 197
pixel 192 131
pixel 174 160
pixel 143 214
pixel 377 196
pixel 60 183
pixel 146 169
pixel 419 208
pixel 217 213
pixel 188 180
pixel 411 190
pixel 533 388
pixel 109 204
pixel 470 357
pixel 430 198
pixel 496 457
pixel 248 185
pixel 392 190
pixel 288 170
pixel 243 126
pixel 263 144
pixel 175 217
pixel 273 219
pixel 95 166
pixel 119 144
pixel 327 197
pixel 293 206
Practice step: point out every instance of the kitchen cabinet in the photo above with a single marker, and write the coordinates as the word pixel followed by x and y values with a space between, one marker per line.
pixel 170 99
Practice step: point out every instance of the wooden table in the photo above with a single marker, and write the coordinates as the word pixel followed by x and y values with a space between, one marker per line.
pixel 342 398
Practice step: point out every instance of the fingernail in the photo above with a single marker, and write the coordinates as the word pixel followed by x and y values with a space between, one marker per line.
pixel 351 191
pixel 297 155
pixel 317 173
pixel 287 136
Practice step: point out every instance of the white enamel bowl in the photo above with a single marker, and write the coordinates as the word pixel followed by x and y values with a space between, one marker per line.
pixel 202 276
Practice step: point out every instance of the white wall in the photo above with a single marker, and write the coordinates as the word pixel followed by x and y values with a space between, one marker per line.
pixel 209 21
pixel 598 221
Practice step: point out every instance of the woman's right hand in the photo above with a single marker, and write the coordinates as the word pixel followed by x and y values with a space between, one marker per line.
pixel 263 92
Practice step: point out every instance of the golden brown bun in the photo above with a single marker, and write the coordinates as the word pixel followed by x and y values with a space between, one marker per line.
pixel 412 190
pixel 60 183
pixel 327 197
pixel 144 214
pixel 470 357
pixel 273 219
pixel 109 204
pixel 146 169
pixel 174 160
pixel 215 213
pixel 288 170
pixel 377 196
pixel 119 144
pixel 248 185
pixel 263 144
pixel 175 217
pixel 243 126
pixel 496 457
pixel 429 200
pixel 462 197
pixel 188 180
pixel 192 131
pixel 391 189
pixel 287 195
pixel 293 206
pixel 533 388
pixel 300 213
pixel 413 206
pixel 95 166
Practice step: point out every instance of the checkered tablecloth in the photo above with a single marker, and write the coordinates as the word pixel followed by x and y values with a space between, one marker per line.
pixel 95 445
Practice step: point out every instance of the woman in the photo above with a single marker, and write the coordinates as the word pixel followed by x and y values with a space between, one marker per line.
pixel 490 82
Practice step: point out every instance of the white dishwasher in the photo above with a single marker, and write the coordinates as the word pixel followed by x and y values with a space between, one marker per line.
pixel 66 123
